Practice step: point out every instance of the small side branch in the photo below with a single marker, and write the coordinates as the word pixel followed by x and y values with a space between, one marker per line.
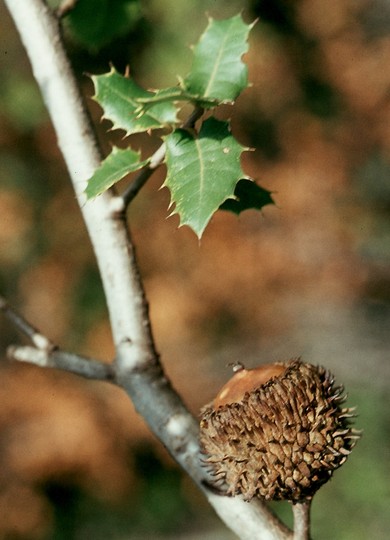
pixel 45 353
pixel 143 176
pixel 40 341
pixel 301 513
pixel 88 368
pixel 193 118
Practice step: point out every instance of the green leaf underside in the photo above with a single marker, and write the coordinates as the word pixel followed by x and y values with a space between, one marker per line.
pixel 217 70
pixel 118 97
pixel 115 167
pixel 248 195
pixel 202 171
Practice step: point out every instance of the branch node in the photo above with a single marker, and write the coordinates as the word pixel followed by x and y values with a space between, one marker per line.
pixel 42 343
pixel 30 355
pixel 117 206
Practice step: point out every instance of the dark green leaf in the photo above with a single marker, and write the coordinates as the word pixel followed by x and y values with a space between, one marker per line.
pixel 203 171
pixel 118 96
pixel 115 167
pixel 94 23
pixel 218 70
pixel 247 195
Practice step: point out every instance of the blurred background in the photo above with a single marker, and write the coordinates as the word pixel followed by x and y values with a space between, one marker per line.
pixel 308 277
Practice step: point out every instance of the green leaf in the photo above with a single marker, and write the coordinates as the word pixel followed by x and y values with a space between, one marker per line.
pixel 115 167
pixel 218 71
pixel 247 195
pixel 118 96
pixel 94 23
pixel 203 171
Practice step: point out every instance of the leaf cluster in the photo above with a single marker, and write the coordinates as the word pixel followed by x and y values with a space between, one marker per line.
pixel 204 171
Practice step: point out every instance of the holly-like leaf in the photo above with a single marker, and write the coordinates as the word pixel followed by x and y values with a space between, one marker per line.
pixel 203 171
pixel 118 96
pixel 115 167
pixel 218 70
pixel 247 195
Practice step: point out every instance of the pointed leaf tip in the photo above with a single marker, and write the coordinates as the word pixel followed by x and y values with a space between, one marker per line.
pixel 218 71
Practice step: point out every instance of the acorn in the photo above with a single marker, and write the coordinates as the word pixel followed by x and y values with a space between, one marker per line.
pixel 277 431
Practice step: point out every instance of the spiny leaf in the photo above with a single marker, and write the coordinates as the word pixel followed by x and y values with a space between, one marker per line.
pixel 247 195
pixel 118 96
pixel 203 171
pixel 218 71
pixel 113 168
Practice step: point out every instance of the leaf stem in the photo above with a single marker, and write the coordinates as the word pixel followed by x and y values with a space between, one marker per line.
pixel 193 117
pixel 179 95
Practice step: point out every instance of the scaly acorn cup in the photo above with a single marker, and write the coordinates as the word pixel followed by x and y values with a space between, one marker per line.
pixel 277 431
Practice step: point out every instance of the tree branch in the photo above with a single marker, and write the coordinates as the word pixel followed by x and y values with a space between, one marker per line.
pixel 137 367
pixel 73 363
pixel 45 353
pixel 301 513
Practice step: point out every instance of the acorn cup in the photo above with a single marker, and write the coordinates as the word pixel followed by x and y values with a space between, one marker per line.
pixel 277 431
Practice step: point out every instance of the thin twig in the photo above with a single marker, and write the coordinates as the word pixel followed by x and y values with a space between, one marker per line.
pixel 40 341
pixel 143 176
pixel 46 354
pixel 301 513
pixel 156 160
pixel 73 363
pixel 194 117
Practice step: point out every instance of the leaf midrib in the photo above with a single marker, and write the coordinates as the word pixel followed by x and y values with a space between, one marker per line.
pixel 216 66
pixel 201 172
